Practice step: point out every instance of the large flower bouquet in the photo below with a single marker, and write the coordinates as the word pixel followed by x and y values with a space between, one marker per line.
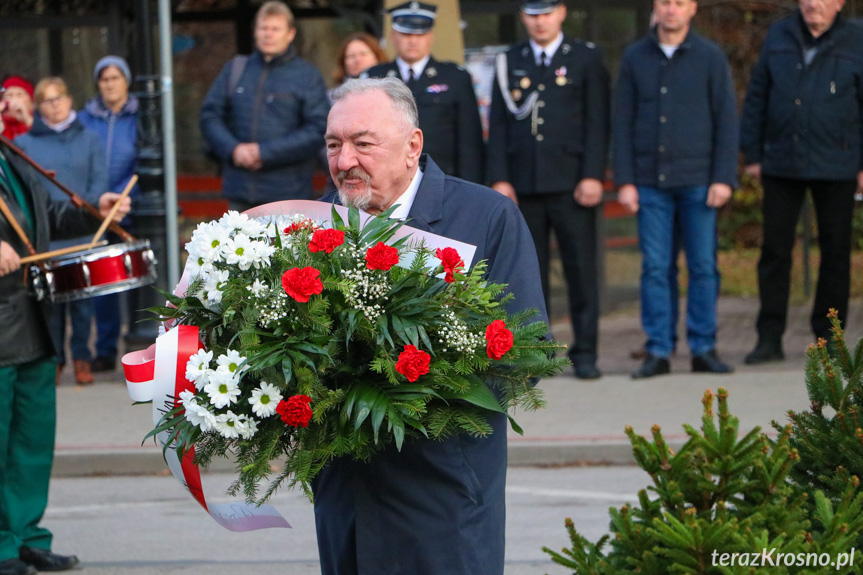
pixel 317 345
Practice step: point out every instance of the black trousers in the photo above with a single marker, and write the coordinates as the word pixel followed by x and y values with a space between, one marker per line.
pixel 575 228
pixel 834 210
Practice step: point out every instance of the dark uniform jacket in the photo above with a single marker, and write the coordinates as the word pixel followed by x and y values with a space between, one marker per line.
pixel 282 105
pixel 449 117
pixel 436 507
pixel 675 119
pixel 566 139
pixel 24 337
pixel 806 121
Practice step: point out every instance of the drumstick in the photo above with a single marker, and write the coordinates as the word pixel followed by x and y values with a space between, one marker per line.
pixel 60 252
pixel 15 226
pixel 76 199
pixel 114 209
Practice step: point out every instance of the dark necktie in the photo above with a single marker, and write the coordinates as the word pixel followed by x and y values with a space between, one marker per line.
pixel 412 78
pixel 542 65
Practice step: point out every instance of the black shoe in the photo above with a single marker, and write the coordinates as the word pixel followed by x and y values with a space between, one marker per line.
pixel 16 567
pixel 765 352
pixel 101 364
pixel 587 371
pixel 652 367
pixel 44 560
pixel 709 363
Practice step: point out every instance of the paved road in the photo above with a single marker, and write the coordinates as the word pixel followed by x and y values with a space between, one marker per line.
pixel 149 525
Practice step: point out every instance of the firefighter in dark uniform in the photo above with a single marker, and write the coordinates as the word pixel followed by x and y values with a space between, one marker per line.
pixel 547 150
pixel 449 115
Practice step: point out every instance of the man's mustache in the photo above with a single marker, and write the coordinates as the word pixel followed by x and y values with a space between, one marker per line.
pixel 354 174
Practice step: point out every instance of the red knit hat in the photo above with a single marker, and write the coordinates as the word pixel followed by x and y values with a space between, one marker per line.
pixel 19 82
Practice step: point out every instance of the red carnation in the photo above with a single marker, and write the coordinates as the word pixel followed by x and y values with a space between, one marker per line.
pixel 381 257
pixel 499 339
pixel 299 226
pixel 413 363
pixel 295 411
pixel 301 283
pixel 326 240
pixel 451 262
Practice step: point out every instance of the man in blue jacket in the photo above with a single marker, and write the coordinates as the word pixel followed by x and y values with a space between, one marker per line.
pixel 802 129
pixel 675 156
pixel 265 115
pixel 435 507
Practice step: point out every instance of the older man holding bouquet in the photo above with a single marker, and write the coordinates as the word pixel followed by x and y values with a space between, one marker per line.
pixel 434 506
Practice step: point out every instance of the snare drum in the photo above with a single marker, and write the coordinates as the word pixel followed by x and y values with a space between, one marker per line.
pixel 100 271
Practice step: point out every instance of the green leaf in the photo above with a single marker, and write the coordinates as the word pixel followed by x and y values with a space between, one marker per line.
pixel 476 393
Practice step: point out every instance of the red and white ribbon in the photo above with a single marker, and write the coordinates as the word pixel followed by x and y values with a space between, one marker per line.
pixel 158 374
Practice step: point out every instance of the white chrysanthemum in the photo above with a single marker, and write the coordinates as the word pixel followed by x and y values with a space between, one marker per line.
pixel 228 425
pixel 222 389
pixel 214 283
pixel 234 221
pixel 198 368
pixel 263 252
pixel 265 399
pixel 255 228
pixel 231 361
pixel 247 427
pixel 199 416
pixel 187 396
pixel 239 251
pixel 211 239
pixel 258 288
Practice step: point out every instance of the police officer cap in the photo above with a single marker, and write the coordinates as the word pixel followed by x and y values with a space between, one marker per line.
pixel 413 17
pixel 534 7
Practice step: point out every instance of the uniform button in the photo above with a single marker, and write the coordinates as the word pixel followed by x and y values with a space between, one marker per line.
pixel 797 101
pixel 663 90
pixel 799 66
pixel 661 177
pixel 540 121
pixel 540 103
pixel 796 137
pixel 541 87
pixel 661 149
pixel 539 138
pixel 661 119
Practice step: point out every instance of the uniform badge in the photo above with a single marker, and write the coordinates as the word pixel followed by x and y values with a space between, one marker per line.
pixel 415 5
pixel 437 88
pixel 431 72
pixel 566 48
pixel 391 73
pixel 525 83
pixel 516 94
pixel 561 76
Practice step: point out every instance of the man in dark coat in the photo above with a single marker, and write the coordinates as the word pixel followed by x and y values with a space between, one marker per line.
pixel 547 150
pixel 802 128
pixel 264 117
pixel 436 506
pixel 449 115
pixel 28 413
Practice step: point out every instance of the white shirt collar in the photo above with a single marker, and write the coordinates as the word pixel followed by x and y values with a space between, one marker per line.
pixel 549 50
pixel 62 125
pixel 417 67
pixel 406 200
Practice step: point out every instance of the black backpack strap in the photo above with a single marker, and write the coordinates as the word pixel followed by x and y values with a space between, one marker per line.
pixel 238 66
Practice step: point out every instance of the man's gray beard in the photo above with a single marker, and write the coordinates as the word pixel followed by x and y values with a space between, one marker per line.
pixel 360 200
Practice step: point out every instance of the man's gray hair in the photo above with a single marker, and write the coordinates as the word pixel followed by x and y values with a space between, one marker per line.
pixel 399 94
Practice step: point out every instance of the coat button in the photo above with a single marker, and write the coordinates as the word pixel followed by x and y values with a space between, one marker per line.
pixel 540 121
pixel 539 138
pixel 797 101
pixel 661 177
pixel 541 87
pixel 661 119
pixel 240 90
pixel 661 149
pixel 663 90
pixel 540 103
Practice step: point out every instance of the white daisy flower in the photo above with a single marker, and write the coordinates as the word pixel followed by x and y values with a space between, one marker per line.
pixel 248 427
pixel 239 251
pixel 230 362
pixel 255 228
pixel 214 283
pixel 198 368
pixel 199 416
pixel 228 425
pixel 265 399
pixel 258 288
pixel 222 389
pixel 212 238
pixel 263 251
pixel 234 221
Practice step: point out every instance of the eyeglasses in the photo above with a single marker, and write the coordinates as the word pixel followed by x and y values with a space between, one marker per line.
pixel 54 100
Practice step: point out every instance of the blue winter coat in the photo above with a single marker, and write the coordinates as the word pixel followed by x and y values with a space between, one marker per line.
pixel 75 154
pixel 282 105
pixel 119 136
pixel 806 121
pixel 675 119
